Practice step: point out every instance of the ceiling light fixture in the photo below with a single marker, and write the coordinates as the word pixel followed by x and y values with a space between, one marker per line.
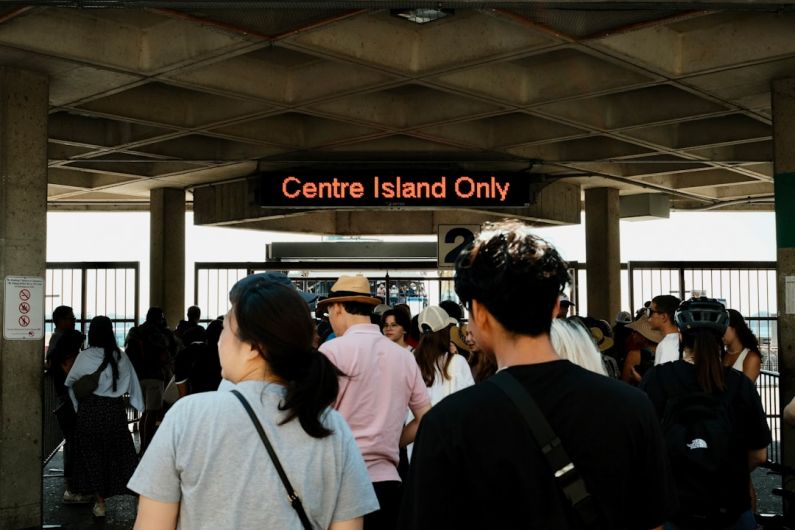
pixel 421 15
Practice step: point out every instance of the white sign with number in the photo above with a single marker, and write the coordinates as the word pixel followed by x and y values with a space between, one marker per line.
pixel 452 240
pixel 23 310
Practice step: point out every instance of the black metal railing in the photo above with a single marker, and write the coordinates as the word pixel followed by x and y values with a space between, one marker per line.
pixel 767 386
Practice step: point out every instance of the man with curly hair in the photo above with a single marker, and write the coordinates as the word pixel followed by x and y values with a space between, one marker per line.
pixel 476 463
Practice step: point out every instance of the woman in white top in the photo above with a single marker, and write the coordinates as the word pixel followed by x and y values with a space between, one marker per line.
pixel 742 347
pixel 442 371
pixel 104 452
pixel 207 466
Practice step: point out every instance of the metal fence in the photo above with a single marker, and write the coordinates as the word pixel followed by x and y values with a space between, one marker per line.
pixel 767 386
pixel 111 289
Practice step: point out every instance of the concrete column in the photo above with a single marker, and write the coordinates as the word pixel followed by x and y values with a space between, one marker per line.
pixel 783 93
pixel 167 252
pixel 602 253
pixel 23 248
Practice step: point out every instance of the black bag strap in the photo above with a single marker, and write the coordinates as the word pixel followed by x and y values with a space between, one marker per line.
pixel 566 475
pixel 295 501
pixel 102 366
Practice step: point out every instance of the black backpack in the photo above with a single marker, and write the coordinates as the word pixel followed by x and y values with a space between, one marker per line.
pixel 706 455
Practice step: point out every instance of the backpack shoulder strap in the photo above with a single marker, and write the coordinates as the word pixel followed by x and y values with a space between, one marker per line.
pixel 566 475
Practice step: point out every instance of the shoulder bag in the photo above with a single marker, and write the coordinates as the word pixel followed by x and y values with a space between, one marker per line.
pixel 295 501
pixel 581 504
pixel 85 385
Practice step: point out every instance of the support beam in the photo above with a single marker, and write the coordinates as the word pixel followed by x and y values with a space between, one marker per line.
pixel 23 247
pixel 783 95
pixel 167 252
pixel 603 252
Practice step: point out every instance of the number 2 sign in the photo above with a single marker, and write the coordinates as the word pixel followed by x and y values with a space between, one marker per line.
pixel 452 240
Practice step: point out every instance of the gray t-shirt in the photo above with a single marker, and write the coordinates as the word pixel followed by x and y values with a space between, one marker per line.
pixel 208 456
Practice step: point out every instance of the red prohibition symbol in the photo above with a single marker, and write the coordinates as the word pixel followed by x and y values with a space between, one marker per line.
pixel 24 307
pixel 24 295
pixel 24 321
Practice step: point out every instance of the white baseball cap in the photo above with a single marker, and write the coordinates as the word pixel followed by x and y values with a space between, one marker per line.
pixel 434 318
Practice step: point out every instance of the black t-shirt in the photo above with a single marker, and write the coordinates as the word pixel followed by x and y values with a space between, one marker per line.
pixel 198 365
pixel 476 465
pixel 747 417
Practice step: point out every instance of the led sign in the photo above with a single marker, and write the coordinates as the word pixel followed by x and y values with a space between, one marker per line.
pixel 305 189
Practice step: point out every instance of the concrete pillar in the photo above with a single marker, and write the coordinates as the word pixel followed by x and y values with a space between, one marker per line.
pixel 167 252
pixel 602 253
pixel 23 248
pixel 783 93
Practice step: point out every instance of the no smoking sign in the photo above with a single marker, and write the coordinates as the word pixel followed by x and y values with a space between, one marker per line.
pixel 23 308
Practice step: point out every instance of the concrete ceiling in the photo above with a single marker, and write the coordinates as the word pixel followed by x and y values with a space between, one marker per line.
pixel 660 99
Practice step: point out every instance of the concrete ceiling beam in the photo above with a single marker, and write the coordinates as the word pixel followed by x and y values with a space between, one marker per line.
pixel 537 79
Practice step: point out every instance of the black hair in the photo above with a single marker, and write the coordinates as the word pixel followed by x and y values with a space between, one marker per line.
pixel 357 308
pixel 516 275
pixel 707 348
pixel 155 315
pixel 276 321
pixel 401 318
pixel 61 312
pixel 744 333
pixel 667 304
pixel 453 309
pixel 101 335
pixel 194 313
pixel 414 331
pixel 213 333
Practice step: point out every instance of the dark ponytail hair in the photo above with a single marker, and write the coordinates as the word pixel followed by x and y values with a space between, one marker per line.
pixel 276 321
pixel 101 335
pixel 433 352
pixel 707 349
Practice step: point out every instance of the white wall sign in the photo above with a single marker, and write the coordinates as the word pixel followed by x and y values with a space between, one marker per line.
pixel 452 239
pixel 23 310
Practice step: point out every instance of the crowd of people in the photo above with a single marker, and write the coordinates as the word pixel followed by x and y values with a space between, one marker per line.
pixel 486 412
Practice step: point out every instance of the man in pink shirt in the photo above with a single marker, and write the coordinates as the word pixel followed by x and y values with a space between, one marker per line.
pixel 382 383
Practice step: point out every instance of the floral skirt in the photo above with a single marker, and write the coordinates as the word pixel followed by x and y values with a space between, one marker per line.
pixel 104 453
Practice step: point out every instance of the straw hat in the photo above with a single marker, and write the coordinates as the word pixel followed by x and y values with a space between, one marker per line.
pixel 643 327
pixel 350 289
pixel 457 334
pixel 603 342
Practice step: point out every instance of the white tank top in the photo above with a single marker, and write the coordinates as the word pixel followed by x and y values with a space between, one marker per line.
pixel 738 364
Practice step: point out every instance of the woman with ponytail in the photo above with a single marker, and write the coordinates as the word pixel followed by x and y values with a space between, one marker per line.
pixel 207 466
pixel 104 452
pixel 715 429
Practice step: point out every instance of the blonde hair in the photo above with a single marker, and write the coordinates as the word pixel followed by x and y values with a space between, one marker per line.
pixel 573 342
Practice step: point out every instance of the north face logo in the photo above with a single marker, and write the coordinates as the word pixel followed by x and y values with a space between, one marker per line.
pixel 698 443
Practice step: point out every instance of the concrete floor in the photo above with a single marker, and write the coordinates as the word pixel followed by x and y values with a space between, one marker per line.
pixel 121 510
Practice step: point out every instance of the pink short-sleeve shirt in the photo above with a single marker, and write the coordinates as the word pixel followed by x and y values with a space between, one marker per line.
pixel 383 382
